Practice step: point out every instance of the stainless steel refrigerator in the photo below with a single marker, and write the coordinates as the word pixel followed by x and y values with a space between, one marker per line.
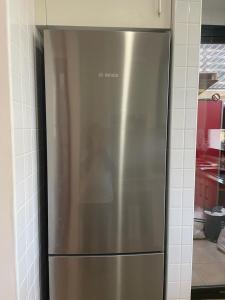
pixel 106 108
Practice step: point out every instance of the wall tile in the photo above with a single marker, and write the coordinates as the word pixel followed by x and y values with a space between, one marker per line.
pixel 17 115
pixel 176 159
pixel 27 140
pixel 20 221
pixel 27 116
pixel 23 290
pixel 174 254
pixel 178 97
pixel 173 290
pixel 182 11
pixel 180 56
pixel 28 187
pixel 25 148
pixel 195 12
pixel 31 293
pixel 19 168
pixel 187 217
pixel 194 34
pixel 177 139
pixel 174 273
pixel 189 178
pixel 178 119
pixel 181 34
pixel 189 158
pixel 176 178
pixel 175 198
pixel 175 235
pixel 186 271
pixel 190 120
pixel 185 289
pixel 31 277
pixel 175 217
pixel 27 164
pixel 30 255
pixel 19 194
pixel 179 77
pixel 21 246
pixel 188 196
pixel 18 141
pixel 187 236
pixel 191 98
pixel 193 56
pixel 190 139
pixel 192 77
pixel 22 270
pixel 186 254
pixel 185 62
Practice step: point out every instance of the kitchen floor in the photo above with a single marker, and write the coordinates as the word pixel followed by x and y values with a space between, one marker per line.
pixel 208 264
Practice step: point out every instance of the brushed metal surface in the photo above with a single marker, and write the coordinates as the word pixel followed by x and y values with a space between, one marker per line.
pixel 106 102
pixel 128 277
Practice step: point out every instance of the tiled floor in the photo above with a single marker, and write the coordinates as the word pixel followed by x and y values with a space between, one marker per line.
pixel 208 264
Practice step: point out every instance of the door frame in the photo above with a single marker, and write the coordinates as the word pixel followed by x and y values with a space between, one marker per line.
pixel 210 34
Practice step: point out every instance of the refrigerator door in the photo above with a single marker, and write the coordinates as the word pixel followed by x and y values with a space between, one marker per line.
pixel 128 277
pixel 106 103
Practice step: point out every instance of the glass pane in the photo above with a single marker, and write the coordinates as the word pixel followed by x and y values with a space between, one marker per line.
pixel 209 215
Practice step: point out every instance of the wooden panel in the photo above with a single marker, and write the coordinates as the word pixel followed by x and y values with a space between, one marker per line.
pixel 40 12
pixel 109 13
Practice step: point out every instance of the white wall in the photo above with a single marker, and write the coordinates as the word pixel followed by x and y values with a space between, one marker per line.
pixel 184 85
pixel 7 253
pixel 213 12
pixel 24 138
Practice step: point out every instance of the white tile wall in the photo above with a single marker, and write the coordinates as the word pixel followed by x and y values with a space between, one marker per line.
pixel 186 39
pixel 23 103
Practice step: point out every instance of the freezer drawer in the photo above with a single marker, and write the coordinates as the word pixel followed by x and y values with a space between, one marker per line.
pixel 106 105
pixel 126 277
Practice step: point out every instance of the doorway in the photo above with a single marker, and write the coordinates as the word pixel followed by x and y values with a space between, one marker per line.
pixel 208 270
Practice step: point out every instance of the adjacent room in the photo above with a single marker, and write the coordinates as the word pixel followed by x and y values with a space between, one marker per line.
pixel 208 273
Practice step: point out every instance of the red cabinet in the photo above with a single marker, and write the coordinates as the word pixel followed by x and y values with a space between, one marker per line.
pixel 207 157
